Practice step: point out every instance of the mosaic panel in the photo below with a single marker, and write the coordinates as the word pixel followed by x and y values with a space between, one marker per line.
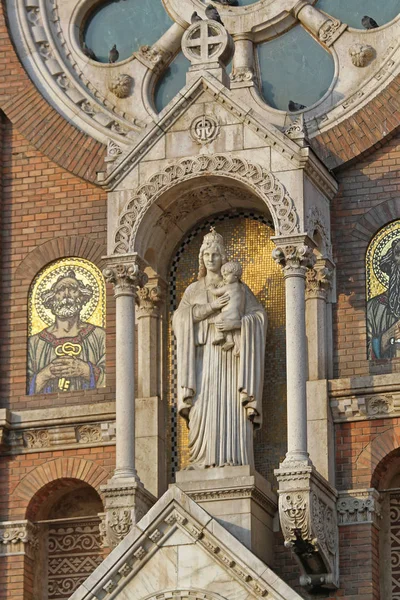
pixel 66 328
pixel 383 293
pixel 395 546
pixel 247 238
pixel 74 553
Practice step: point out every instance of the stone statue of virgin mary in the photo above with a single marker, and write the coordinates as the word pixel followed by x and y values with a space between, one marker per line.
pixel 220 383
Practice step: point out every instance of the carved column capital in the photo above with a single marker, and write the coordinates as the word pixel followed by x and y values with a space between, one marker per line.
pixel 126 275
pixel 148 300
pixel 294 258
pixel 18 537
pixel 319 281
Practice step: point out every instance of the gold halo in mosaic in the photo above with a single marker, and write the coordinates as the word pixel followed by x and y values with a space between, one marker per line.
pixel 93 312
pixel 377 280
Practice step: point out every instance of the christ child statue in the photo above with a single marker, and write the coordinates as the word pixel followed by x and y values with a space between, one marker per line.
pixel 233 311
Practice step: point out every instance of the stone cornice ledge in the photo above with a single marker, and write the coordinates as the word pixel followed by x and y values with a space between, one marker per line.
pixel 364 398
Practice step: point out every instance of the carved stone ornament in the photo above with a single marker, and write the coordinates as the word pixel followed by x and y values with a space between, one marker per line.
pixel 88 434
pixel 264 183
pixel 125 503
pixel 331 30
pixel 355 408
pixel 147 300
pixel 242 75
pixel 113 152
pixel 18 537
pixel 361 54
pixel 207 43
pixel 318 282
pixel 359 506
pixel 39 438
pixel 316 223
pixel 297 130
pixel 204 129
pixel 153 55
pixel 121 85
pixel 126 276
pixel 307 512
pixel 294 257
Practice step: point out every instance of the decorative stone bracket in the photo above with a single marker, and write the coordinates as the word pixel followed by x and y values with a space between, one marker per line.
pixel 18 537
pixel 126 502
pixel 307 512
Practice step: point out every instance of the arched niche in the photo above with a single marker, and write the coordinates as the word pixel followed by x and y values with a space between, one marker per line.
pixel 171 201
pixel 66 514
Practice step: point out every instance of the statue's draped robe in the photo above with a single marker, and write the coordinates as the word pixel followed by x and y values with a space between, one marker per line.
pixel 42 351
pixel 215 387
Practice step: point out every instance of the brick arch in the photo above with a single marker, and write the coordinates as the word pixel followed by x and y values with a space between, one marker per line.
pixel 377 450
pixel 364 131
pixel 60 247
pixel 377 217
pixel 41 124
pixel 51 472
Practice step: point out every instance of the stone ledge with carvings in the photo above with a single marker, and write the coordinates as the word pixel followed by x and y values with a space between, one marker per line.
pixel 308 517
pixel 359 507
pixel 365 398
pixel 18 537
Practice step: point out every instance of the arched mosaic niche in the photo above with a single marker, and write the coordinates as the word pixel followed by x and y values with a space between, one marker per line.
pixel 66 328
pixel 247 237
pixel 383 293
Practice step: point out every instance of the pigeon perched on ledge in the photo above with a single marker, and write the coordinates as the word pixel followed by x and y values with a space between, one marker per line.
pixel 228 2
pixel 195 18
pixel 213 14
pixel 113 54
pixel 369 23
pixel 295 106
pixel 88 52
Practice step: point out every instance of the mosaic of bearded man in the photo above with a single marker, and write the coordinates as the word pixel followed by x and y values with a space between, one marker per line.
pixel 383 311
pixel 70 354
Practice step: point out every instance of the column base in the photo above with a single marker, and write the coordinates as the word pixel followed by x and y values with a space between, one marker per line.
pixel 240 499
pixel 126 501
pixel 307 512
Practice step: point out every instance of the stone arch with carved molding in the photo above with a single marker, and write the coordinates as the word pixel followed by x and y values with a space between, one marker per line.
pixel 259 181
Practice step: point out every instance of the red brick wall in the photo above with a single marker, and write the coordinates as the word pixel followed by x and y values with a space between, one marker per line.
pixel 42 203
pixel 363 186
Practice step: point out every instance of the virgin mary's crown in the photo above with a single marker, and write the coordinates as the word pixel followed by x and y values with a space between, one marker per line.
pixel 213 238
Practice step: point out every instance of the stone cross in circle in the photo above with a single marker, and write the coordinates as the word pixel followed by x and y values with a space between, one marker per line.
pixel 201 46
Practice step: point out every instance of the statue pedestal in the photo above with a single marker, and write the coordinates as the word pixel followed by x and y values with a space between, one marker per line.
pixel 240 499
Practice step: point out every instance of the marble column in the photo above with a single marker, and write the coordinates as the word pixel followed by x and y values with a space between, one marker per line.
pixel 126 500
pixel 295 257
pixel 243 61
pixel 318 327
pixel 151 461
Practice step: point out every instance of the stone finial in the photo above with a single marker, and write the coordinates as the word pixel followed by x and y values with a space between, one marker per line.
pixel 361 54
pixel 207 44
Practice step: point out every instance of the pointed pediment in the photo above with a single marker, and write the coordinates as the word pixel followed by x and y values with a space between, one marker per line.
pixel 181 113
pixel 179 547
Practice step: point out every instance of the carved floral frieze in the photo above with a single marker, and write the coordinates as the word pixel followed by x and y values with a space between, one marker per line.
pixel 359 506
pixel 362 407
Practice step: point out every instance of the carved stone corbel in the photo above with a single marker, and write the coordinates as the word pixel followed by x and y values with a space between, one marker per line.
pixel 308 517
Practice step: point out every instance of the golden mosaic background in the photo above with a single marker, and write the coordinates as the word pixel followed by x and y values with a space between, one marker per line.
pixel 248 240
pixel 93 312
pixel 377 281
